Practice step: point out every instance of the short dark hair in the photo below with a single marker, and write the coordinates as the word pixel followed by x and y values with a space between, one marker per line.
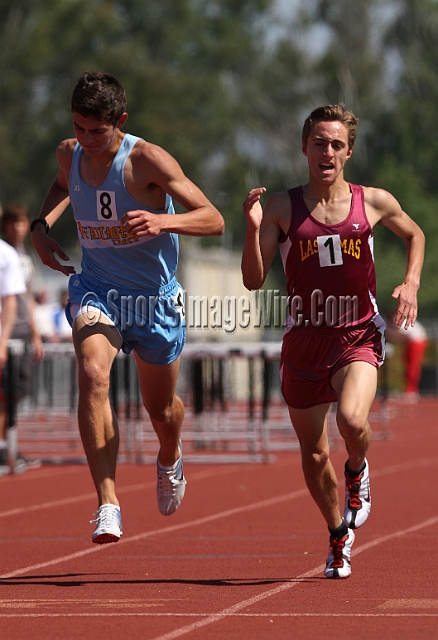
pixel 332 113
pixel 99 95
pixel 13 211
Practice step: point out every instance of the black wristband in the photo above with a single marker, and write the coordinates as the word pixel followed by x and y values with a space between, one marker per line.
pixel 34 223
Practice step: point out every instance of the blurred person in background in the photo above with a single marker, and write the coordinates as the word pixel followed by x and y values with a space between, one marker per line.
pixel 414 342
pixel 11 285
pixel 15 225
pixel 44 312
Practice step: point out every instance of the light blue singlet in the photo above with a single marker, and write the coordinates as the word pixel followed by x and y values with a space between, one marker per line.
pixel 109 255
pixel 132 281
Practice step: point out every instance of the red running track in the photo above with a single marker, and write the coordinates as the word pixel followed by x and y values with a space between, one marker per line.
pixel 241 559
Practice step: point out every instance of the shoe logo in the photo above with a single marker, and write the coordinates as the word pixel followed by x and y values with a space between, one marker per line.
pixel 367 498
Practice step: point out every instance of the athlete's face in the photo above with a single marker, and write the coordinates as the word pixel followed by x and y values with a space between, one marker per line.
pixel 95 136
pixel 327 150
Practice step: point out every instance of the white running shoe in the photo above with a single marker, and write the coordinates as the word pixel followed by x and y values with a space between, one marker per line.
pixel 338 559
pixel 357 498
pixel 171 486
pixel 109 524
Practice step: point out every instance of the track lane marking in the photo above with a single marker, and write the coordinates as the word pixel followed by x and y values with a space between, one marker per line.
pixel 200 475
pixel 230 615
pixel 207 619
pixel 411 464
pixel 170 529
pixel 222 514
pixel 177 633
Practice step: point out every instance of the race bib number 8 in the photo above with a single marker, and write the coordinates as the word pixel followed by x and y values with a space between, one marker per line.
pixel 106 205
pixel 329 251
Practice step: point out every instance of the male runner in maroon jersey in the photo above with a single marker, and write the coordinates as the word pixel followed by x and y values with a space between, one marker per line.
pixel 333 343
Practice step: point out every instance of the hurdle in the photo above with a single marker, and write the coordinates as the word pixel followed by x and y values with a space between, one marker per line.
pixel 234 410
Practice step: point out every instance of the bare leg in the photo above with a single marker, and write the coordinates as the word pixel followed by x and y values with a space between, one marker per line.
pixel 356 385
pixel 165 408
pixel 311 428
pixel 96 347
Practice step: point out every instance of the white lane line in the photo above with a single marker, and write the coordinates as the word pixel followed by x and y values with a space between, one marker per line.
pixel 230 611
pixel 177 633
pixel 403 466
pixel 412 464
pixel 42 472
pixel 65 501
pixel 170 529
pixel 200 475
pixel 230 615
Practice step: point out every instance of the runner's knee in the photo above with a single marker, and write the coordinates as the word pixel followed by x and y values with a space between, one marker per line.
pixel 164 412
pixel 314 460
pixel 352 424
pixel 93 378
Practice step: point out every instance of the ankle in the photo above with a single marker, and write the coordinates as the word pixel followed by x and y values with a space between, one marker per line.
pixel 340 531
pixel 351 472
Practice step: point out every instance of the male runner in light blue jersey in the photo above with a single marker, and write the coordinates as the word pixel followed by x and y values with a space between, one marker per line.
pixel 126 296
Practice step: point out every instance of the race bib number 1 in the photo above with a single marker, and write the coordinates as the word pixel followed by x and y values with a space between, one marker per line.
pixel 329 251
pixel 106 205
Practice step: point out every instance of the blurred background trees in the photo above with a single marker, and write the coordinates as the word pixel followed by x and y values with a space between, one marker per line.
pixel 224 85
